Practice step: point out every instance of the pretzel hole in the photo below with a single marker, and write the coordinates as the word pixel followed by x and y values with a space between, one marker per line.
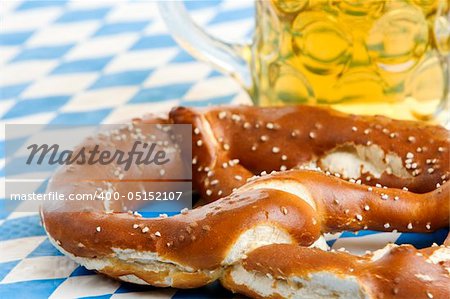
pixel 352 161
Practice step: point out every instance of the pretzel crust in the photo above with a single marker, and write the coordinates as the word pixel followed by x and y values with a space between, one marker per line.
pixel 271 208
pixel 293 207
pixel 281 271
pixel 231 144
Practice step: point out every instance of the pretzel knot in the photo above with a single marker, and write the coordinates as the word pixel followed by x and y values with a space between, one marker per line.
pixel 262 235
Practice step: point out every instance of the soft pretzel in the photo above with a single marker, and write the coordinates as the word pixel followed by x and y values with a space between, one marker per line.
pixel 294 207
pixel 192 248
pixel 231 144
pixel 342 205
pixel 290 271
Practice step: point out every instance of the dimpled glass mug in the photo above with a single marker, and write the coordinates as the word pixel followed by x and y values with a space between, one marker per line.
pixel 386 57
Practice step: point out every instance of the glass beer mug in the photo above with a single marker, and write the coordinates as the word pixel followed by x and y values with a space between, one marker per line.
pixel 386 57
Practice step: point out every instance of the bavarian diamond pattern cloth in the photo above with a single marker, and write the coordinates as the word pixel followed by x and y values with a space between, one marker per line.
pixel 92 62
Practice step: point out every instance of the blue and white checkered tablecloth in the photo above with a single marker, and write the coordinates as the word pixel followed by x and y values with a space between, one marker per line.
pixel 89 62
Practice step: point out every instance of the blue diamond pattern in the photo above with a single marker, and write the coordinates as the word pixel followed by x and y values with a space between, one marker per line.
pixel 108 52
pixel 423 240
pixel 12 91
pixel 232 15
pixel 81 271
pixel 82 66
pixel 5 268
pixel 81 118
pixel 193 5
pixel 116 28
pixel 41 53
pixel 83 15
pixel 45 249
pixel 98 297
pixel 34 289
pixel 161 93
pixel 154 41
pixel 14 38
pixel 32 106
pixel 121 79
pixel 33 4
pixel 183 56
pixel 20 228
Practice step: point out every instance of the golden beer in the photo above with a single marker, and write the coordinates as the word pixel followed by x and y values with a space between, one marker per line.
pixel 361 56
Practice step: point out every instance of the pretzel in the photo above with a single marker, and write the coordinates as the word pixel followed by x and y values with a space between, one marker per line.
pixel 290 271
pixel 193 248
pixel 294 207
pixel 231 144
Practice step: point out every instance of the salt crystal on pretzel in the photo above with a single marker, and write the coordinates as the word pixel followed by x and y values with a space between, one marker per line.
pixel 294 207
pixel 373 149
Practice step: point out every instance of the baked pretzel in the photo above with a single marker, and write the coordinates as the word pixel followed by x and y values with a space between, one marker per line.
pixel 290 271
pixel 194 247
pixel 231 144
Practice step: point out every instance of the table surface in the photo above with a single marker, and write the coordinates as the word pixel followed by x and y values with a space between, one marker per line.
pixel 89 62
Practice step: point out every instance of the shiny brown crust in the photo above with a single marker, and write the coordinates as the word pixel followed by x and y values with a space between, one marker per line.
pixel 199 241
pixel 231 144
pixel 181 237
pixel 398 272
pixel 194 248
pixel 343 205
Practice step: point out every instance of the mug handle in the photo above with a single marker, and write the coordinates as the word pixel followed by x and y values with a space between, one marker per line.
pixel 227 57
